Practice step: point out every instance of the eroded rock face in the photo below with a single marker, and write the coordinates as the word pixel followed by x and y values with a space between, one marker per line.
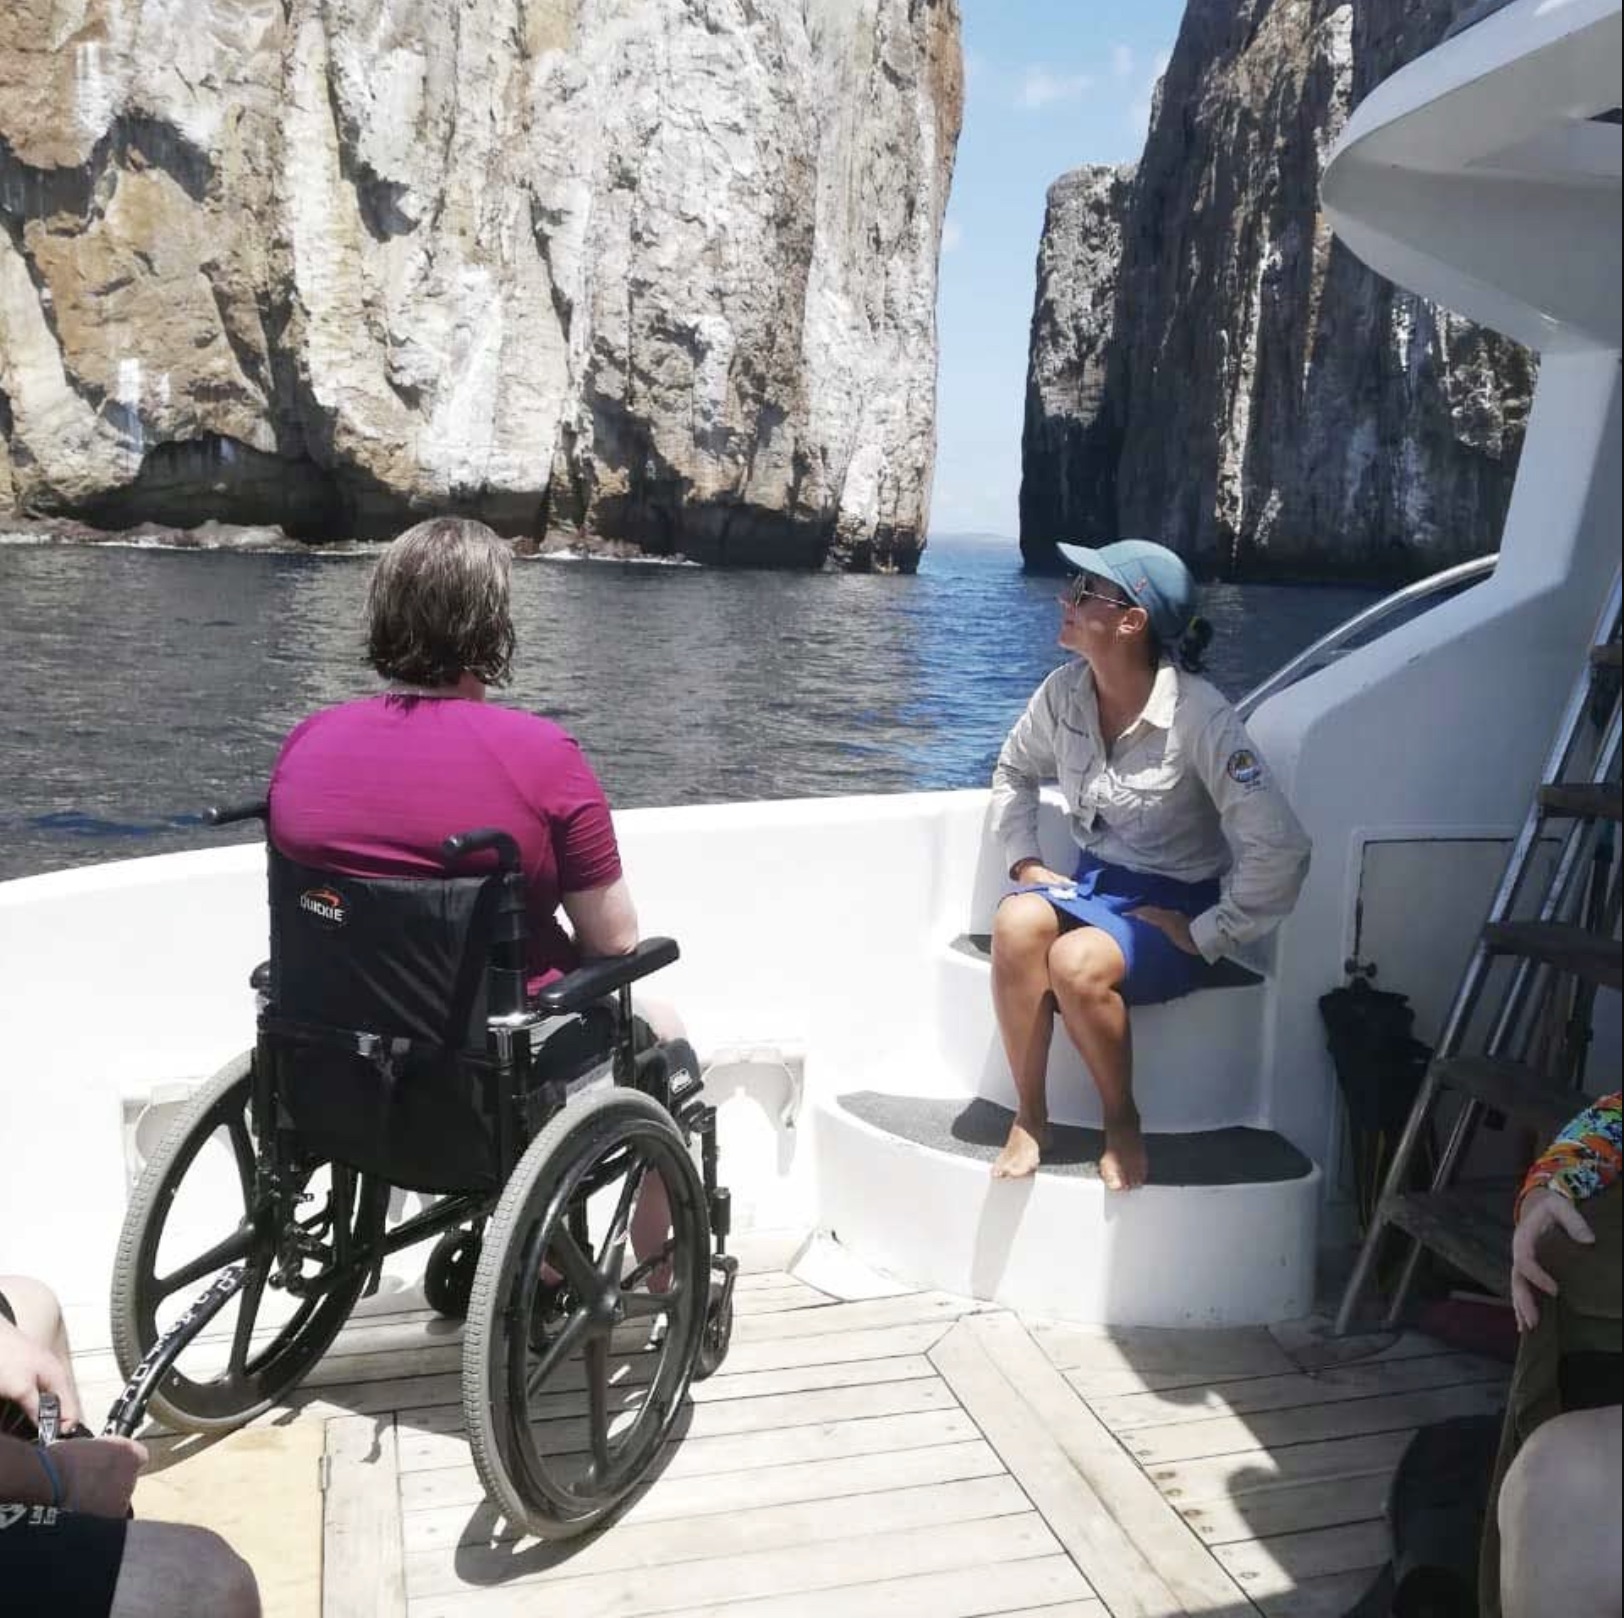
pixel 648 271
pixel 1070 444
pixel 1267 405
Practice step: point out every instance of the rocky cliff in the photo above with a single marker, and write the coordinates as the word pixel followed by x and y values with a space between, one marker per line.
pixel 1209 368
pixel 657 272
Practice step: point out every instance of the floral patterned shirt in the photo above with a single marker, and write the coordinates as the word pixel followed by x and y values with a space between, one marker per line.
pixel 1584 1159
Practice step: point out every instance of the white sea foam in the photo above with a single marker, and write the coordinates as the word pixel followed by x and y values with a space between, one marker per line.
pixel 616 561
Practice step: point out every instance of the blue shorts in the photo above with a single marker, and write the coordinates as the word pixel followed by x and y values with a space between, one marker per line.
pixel 1101 895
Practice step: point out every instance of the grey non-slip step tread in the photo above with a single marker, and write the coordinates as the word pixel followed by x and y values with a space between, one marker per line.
pixel 1470 1226
pixel 978 1128
pixel 1584 800
pixel 1212 975
pixel 1513 1089
pixel 1567 948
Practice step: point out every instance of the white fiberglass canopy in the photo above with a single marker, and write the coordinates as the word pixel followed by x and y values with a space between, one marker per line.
pixel 1486 174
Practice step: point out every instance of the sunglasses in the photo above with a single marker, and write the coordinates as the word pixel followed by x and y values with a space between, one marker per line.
pixel 1086 587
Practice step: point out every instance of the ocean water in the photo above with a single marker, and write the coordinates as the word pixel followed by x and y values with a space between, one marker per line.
pixel 142 685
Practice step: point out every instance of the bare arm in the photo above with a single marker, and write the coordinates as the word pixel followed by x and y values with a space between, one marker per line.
pixel 604 919
pixel 97 1475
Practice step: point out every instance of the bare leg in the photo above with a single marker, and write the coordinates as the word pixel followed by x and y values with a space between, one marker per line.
pixel 1559 1512
pixel 39 1318
pixel 1087 968
pixel 1023 931
pixel 174 1571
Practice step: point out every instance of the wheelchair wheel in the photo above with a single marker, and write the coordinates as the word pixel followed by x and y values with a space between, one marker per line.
pixel 448 1281
pixel 717 1336
pixel 575 1366
pixel 192 1214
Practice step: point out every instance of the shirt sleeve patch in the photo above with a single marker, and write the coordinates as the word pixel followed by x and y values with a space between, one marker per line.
pixel 1244 768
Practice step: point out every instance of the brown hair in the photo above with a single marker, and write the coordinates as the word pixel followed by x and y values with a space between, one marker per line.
pixel 437 606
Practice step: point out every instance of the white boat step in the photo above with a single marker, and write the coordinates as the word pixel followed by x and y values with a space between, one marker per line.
pixel 977 1128
pixel 903 1183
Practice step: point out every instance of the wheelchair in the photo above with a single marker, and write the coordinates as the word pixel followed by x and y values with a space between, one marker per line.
pixel 398 1051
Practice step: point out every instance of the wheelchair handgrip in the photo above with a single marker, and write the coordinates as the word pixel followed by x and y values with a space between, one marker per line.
pixel 464 843
pixel 229 814
pixel 588 984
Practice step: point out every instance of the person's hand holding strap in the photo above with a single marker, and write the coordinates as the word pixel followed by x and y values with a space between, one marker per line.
pixel 1543 1211
pixel 28 1369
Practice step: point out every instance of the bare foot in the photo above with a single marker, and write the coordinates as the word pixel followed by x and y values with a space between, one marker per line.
pixel 1022 1151
pixel 1124 1165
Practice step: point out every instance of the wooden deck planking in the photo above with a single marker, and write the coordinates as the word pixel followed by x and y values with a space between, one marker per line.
pixel 1289 1509
pixel 1255 1396
pixel 1223 1435
pixel 1101 1360
pixel 1041 1587
pixel 420 1450
pixel 1248 1471
pixel 906 1456
pixel 459 1485
pixel 362 1546
pixel 755 1575
pixel 724 1495
pixel 653 1542
pixel 1277 1565
pixel 1142 1559
pixel 748 1531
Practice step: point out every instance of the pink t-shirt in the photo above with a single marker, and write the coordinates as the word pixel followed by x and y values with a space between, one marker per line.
pixel 374 787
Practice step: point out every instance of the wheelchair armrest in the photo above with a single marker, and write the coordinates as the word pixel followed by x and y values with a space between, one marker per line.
pixel 590 983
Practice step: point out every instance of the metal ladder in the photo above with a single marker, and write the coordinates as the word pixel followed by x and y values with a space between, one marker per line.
pixel 1532 1060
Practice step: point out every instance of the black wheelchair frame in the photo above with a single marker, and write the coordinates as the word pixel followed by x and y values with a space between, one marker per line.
pixel 516 1258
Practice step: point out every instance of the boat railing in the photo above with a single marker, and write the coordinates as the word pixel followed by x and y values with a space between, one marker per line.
pixel 1365 626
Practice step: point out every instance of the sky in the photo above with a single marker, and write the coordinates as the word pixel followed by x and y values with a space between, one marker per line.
pixel 1050 85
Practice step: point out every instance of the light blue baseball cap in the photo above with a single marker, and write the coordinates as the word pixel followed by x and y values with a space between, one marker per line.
pixel 1151 574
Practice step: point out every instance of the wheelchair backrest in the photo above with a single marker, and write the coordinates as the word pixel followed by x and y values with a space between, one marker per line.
pixel 399 957
pixel 375 1024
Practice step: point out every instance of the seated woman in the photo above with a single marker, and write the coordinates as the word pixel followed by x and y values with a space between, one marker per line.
pixel 373 787
pixel 1187 849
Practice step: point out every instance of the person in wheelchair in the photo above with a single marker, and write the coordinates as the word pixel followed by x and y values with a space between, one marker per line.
pixel 373 787
pixel 65 1545
pixel 426 1024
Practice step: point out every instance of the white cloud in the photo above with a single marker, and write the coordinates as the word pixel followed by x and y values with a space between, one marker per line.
pixel 1041 88
pixel 1122 60
pixel 951 235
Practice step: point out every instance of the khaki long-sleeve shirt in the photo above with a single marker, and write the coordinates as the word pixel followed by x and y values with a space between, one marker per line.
pixel 1182 793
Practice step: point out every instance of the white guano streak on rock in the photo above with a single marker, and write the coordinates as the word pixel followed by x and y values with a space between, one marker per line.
pixel 49 418
pixel 1336 48
pixel 326 248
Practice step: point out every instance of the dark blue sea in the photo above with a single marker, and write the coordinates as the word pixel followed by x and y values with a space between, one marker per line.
pixel 141 685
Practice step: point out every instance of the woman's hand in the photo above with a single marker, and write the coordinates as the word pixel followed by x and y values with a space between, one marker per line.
pixel 1543 1211
pixel 1172 922
pixel 1032 872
